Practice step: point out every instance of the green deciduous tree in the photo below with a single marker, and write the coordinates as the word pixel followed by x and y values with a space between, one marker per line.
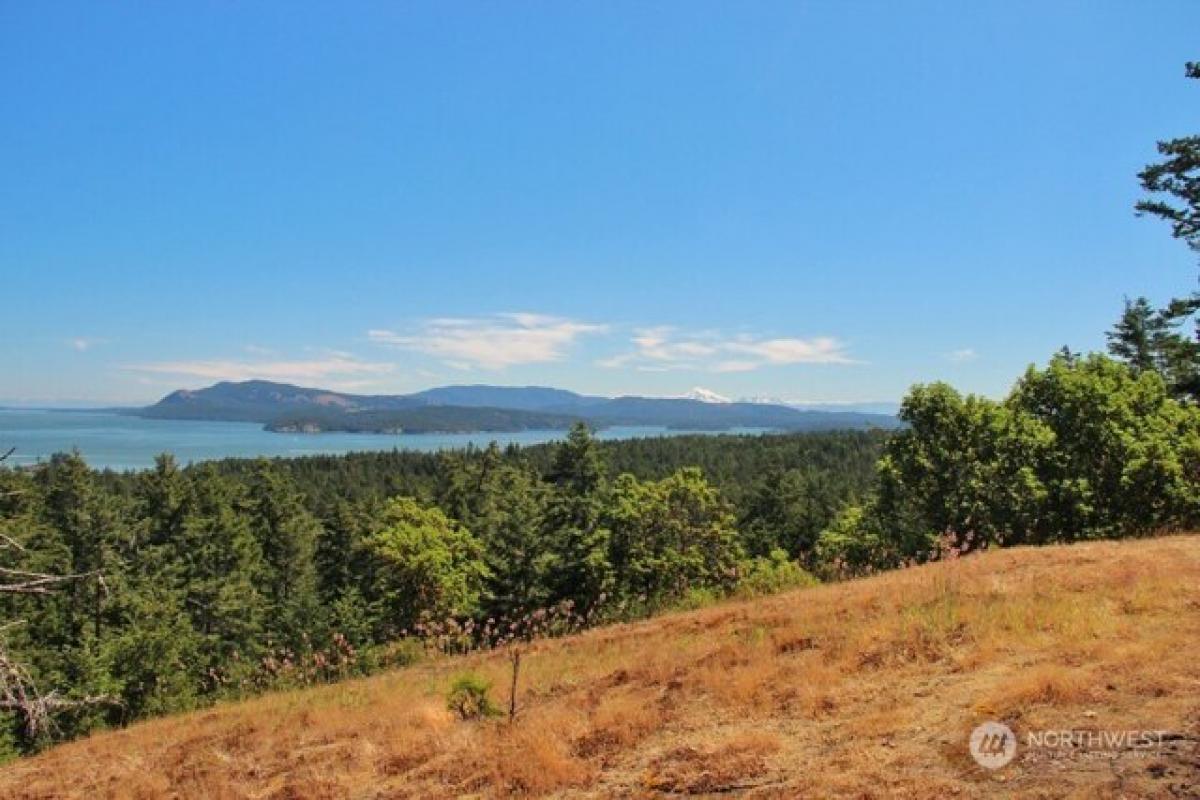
pixel 427 565
pixel 671 535
pixel 857 542
pixel 1084 448
pixel 1125 456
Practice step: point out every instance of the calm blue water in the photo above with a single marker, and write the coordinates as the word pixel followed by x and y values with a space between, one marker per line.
pixel 120 442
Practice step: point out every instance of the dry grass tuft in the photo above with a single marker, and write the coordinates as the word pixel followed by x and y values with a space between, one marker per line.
pixel 724 768
pixel 1043 685
pixel 862 689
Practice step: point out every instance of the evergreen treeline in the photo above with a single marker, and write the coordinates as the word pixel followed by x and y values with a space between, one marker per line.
pixel 229 577
pixel 735 464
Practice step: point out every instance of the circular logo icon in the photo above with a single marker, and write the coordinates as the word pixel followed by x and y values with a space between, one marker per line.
pixel 993 745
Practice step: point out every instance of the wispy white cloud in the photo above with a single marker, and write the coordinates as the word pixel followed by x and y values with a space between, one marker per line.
pixel 735 365
pixel 664 348
pixel 258 350
pixel 492 342
pixel 819 350
pixel 82 344
pixel 962 356
pixel 333 369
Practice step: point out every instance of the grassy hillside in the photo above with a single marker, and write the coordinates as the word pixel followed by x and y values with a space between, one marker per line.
pixel 863 689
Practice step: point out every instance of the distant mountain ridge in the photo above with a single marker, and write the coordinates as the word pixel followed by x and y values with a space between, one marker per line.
pixel 482 408
pixel 262 401
pixel 524 398
pixel 886 407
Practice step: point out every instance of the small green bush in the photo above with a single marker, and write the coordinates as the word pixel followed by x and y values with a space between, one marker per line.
pixel 851 546
pixel 696 597
pixel 393 655
pixel 468 697
pixel 762 576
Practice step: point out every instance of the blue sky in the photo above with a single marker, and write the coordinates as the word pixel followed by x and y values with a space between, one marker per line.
pixel 811 201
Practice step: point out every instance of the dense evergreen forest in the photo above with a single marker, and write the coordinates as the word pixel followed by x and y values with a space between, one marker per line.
pixel 221 579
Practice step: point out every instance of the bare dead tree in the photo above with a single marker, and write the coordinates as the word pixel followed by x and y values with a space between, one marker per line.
pixel 18 692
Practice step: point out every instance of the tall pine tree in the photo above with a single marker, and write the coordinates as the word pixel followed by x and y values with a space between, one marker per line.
pixel 581 570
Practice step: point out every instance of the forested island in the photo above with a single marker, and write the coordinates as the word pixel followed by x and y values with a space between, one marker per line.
pixel 427 419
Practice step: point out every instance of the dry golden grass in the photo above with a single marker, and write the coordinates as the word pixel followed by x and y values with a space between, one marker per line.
pixel 862 689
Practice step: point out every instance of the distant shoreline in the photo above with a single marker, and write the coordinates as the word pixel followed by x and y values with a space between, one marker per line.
pixel 128 442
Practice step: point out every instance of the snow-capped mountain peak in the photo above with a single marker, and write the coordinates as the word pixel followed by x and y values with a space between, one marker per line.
pixel 705 396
